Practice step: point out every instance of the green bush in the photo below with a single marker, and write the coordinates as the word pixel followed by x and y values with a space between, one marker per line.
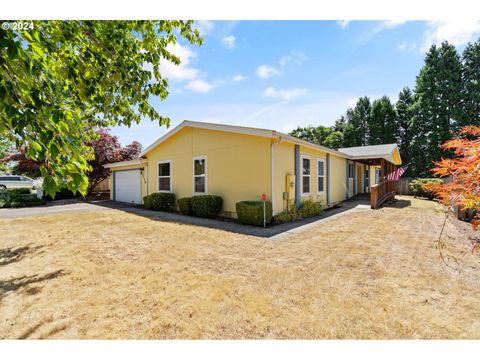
pixel 251 212
pixel 159 201
pixel 419 190
pixel 185 205
pixel 286 216
pixel 18 198
pixel 310 208
pixel 207 205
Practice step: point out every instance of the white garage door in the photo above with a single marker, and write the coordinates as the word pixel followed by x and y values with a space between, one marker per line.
pixel 127 186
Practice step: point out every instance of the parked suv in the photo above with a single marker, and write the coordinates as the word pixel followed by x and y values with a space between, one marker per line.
pixel 15 182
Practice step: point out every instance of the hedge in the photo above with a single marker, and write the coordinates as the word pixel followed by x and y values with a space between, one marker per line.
pixel 251 212
pixel 185 205
pixel 207 205
pixel 159 201
pixel 419 190
pixel 18 198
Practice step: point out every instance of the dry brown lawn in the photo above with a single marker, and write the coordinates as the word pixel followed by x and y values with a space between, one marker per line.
pixel 111 274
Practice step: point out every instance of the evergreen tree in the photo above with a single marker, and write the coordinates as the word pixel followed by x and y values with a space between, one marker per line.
pixel 471 84
pixel 404 107
pixel 382 122
pixel 359 118
pixel 438 107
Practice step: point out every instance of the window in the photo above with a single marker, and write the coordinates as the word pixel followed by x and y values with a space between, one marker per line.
pixel 200 175
pixel 321 175
pixel 306 175
pixel 165 176
pixel 350 170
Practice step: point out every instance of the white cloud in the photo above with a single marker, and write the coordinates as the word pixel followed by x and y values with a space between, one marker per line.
pixel 284 94
pixel 456 32
pixel 239 77
pixel 182 71
pixel 204 26
pixel 229 41
pixel 265 71
pixel 199 86
pixel 406 45
pixel 295 56
pixel 379 27
pixel 343 23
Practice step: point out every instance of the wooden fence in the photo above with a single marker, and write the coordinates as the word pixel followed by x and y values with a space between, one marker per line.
pixel 402 186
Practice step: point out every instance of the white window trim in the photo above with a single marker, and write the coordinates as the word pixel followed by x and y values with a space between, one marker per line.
pixel 171 176
pixel 205 175
pixel 352 165
pixel 322 176
pixel 309 176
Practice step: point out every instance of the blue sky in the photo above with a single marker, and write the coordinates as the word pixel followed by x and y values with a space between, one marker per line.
pixel 284 74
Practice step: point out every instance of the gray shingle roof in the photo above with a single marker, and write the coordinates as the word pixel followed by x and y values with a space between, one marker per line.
pixel 370 150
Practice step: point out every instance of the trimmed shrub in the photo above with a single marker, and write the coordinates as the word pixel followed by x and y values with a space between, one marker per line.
pixel 185 205
pixel 18 198
pixel 159 201
pixel 207 205
pixel 310 208
pixel 251 212
pixel 286 216
pixel 419 190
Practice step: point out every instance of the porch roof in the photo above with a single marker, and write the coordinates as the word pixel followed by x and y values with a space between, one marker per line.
pixel 372 154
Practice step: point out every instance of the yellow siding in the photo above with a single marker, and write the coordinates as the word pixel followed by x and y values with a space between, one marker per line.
pixel 143 178
pixel 284 154
pixel 238 166
pixel 314 155
pixel 284 164
pixel 337 179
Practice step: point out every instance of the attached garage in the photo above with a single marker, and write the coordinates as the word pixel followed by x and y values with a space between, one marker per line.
pixel 127 187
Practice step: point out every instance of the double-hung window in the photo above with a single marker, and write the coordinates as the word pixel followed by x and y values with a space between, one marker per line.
pixel 305 175
pixel 321 175
pixel 200 175
pixel 350 170
pixel 165 176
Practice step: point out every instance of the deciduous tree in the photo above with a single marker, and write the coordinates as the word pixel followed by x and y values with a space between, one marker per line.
pixel 107 149
pixel 62 78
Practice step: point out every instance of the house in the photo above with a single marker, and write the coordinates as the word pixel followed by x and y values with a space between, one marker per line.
pixel 242 163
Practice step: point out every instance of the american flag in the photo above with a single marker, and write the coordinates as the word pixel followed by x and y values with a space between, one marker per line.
pixel 397 174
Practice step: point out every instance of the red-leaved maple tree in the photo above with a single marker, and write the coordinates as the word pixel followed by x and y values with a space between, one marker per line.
pixel 464 168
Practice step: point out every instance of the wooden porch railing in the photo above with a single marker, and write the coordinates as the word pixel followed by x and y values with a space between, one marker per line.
pixel 379 193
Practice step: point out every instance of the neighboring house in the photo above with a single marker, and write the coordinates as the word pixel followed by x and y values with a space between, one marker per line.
pixel 242 163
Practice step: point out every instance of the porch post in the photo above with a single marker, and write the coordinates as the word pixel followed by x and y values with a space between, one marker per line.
pixel 354 181
pixel 328 179
pixel 347 180
pixel 382 174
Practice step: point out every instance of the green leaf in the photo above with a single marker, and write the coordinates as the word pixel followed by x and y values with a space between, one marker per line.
pixel 50 186
pixel 35 145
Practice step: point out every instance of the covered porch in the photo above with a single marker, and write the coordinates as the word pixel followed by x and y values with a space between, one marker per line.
pixel 383 189
pixel 384 160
